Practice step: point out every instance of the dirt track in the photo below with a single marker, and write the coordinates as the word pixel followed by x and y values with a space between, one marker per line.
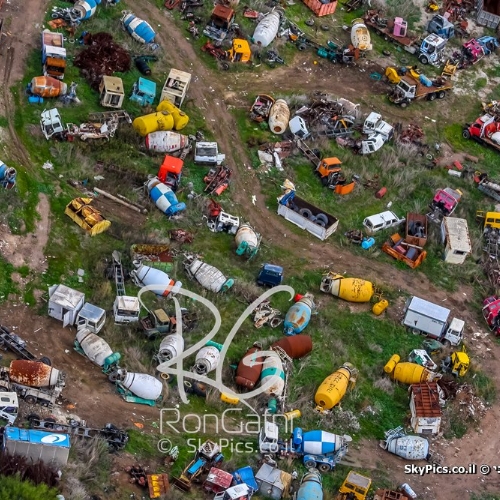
pixel 208 91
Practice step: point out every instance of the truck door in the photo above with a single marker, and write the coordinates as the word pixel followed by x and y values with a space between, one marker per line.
pixel 67 318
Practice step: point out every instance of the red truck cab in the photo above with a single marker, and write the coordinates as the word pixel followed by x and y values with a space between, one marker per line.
pixel 491 313
pixel 446 200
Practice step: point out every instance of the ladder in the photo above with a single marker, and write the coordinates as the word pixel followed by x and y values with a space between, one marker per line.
pixel 308 153
pixel 108 115
pixel 118 271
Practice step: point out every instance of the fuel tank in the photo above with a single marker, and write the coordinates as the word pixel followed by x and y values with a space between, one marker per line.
pixel 296 346
pixel 298 316
pixel 249 368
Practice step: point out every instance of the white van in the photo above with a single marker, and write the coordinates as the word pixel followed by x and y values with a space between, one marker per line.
pixel 380 221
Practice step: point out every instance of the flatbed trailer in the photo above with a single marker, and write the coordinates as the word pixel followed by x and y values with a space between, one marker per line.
pixel 14 343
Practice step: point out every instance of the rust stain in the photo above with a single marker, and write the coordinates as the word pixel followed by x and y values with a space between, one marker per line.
pixel 30 373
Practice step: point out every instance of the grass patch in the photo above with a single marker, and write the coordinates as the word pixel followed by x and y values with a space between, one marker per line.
pixel 141 445
pixel 480 83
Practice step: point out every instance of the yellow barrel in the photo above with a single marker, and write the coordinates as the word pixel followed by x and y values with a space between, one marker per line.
pixel 180 118
pixel 226 398
pixel 290 415
pixel 391 364
pixel 350 289
pixel 153 122
pixel 380 307
pixel 333 389
pixel 411 373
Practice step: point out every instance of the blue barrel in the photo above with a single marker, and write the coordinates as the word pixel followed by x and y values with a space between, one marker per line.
pixel 298 316
pixel 85 8
pixel 139 30
pixel 425 81
pixel 7 176
pixel 367 243
pixel 164 197
pixel 297 437
pixel 35 99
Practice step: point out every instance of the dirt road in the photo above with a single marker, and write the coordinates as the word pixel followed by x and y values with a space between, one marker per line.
pixel 94 399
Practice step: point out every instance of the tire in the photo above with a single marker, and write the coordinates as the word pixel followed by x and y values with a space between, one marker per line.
pixel 310 464
pixel 302 46
pixel 50 422
pixel 432 97
pixel 404 104
pixel 224 66
pixel 188 387
pixel 441 94
pixel 46 361
pixel 323 218
pixel 320 223
pixel 3 389
pixel 33 417
pixel 324 468
pixel 466 134
pixel 423 59
pixel 31 400
pixel 306 213
pixel 415 331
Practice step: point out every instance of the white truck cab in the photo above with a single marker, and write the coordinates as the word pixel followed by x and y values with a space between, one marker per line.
pixel 91 317
pixel 268 438
pixel 207 153
pixel 51 123
pixel 380 221
pixel 375 125
pixel 126 309
pixel 9 407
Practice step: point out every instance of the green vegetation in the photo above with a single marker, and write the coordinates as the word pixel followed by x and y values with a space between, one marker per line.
pixel 13 487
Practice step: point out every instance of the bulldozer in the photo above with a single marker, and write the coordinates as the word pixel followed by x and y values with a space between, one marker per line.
pixel 87 217
pixel 457 364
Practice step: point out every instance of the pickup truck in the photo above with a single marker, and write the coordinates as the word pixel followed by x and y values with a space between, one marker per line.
pixel 383 220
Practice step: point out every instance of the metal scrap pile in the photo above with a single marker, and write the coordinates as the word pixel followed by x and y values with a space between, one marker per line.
pixel 470 404
pixel 328 116
pixel 272 153
pixel 411 134
pixel 102 57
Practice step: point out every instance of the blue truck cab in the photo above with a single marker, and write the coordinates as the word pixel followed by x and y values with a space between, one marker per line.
pixel 270 275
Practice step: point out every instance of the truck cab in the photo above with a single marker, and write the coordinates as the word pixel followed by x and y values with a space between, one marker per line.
pixel 238 492
pixel 91 317
pixel 51 123
pixel 380 221
pixel 491 310
pixel 268 438
pixel 354 487
pixel 126 309
pixel 9 407
pixel 439 25
pixel 270 275
pixel 431 50
pixel 156 323
pixel 375 125
pixel 476 129
pixel 207 153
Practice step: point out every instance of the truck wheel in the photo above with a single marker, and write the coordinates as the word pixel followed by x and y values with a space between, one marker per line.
pixel 431 97
pixel 31 400
pixel 441 94
pixel 466 134
pixel 306 213
pixel 310 464
pixel 46 361
pixel 423 59
pixel 415 331
pixel 50 422
pixel 404 104
pixel 324 468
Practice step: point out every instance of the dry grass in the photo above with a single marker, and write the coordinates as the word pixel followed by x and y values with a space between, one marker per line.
pixel 384 384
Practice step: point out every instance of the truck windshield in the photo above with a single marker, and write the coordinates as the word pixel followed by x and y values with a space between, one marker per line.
pixel 206 151
pixel 404 86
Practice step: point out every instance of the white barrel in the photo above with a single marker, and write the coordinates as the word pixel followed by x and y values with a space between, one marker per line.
pixel 279 117
pixel 247 235
pixel 166 141
pixel 143 385
pixel 407 490
pixel 206 360
pixel 94 347
pixel 207 276
pixel 266 31
pixel 272 369
pixel 145 276
pixel 171 347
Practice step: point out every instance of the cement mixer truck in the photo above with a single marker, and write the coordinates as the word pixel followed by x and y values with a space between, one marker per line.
pixel 96 349
pixel 350 289
pixel 407 447
pixel 207 276
pixel 407 372
pixel 138 388
pixel 319 449
pixel 247 241
pixel 33 381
